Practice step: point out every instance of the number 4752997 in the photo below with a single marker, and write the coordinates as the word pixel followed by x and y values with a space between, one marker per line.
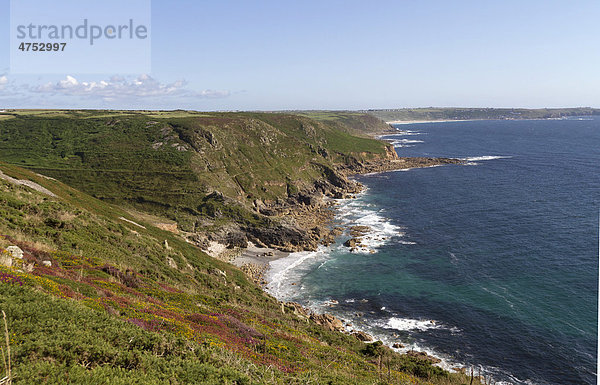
pixel 42 47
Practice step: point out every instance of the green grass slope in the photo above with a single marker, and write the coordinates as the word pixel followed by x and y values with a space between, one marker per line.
pixel 167 163
pixel 358 123
pixel 120 305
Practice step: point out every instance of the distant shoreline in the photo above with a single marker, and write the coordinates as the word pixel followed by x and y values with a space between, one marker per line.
pixel 428 121
pixel 400 122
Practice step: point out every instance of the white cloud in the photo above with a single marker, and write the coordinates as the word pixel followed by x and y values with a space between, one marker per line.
pixel 3 81
pixel 118 88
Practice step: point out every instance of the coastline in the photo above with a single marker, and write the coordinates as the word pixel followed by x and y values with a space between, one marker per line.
pixel 316 212
pixel 398 122
pixel 317 218
pixel 262 264
pixel 281 279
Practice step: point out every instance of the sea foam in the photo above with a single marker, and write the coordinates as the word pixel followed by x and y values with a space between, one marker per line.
pixel 485 157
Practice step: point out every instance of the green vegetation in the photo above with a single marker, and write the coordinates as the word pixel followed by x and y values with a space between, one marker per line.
pixel 166 163
pixel 120 305
pixel 426 114
pixel 358 123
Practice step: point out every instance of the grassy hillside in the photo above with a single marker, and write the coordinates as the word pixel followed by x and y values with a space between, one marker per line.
pixel 101 297
pixel 408 114
pixel 354 122
pixel 178 164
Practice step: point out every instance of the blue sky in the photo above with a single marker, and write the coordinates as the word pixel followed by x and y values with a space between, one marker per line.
pixel 274 55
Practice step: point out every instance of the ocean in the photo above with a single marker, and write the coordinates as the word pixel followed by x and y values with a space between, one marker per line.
pixel 491 265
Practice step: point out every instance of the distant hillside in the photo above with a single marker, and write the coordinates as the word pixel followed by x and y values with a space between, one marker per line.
pixel 427 114
pixel 358 123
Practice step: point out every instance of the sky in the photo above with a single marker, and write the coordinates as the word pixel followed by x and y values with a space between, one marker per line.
pixel 285 55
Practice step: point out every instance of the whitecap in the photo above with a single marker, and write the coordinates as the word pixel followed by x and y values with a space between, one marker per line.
pixel 407 324
pixel 485 157
pixel 407 243
pixel 282 272
pixel 405 142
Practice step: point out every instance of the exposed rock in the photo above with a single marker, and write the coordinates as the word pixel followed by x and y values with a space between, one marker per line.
pixel 301 221
pixel 15 252
pixel 298 309
pixel 393 162
pixel 328 321
pixel 47 263
pixel 171 262
pixel 359 231
pixel 352 243
pixel 237 239
pixel 166 244
pixel 397 345
pixel 6 258
pixel 171 227
pixel 27 267
pixel 362 336
pixel 218 272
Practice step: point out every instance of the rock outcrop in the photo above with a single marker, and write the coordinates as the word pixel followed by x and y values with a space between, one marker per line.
pixel 362 336
pixel 328 321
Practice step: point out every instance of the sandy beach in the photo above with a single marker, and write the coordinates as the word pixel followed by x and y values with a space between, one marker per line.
pixel 260 256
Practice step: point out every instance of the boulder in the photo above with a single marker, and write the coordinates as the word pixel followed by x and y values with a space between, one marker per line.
pixel 297 309
pixel 15 252
pixel 47 263
pixel 359 230
pixel 328 321
pixel 171 262
pixel 6 258
pixel 362 336
pixel 352 243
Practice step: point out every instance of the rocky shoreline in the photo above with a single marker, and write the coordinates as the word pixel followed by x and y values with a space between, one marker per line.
pixel 311 212
pixel 304 220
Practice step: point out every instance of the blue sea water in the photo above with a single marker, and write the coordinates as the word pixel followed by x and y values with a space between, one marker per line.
pixel 491 265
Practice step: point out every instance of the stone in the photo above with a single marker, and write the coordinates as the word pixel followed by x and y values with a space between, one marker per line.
pixel 27 267
pixel 397 345
pixel 15 252
pixel 6 259
pixel 47 263
pixel 218 272
pixel 351 243
pixel 362 336
pixel 171 262
pixel 328 321
pixel 298 309
pixel 359 230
